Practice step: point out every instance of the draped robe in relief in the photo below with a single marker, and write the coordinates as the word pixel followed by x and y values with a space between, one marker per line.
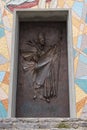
pixel 45 74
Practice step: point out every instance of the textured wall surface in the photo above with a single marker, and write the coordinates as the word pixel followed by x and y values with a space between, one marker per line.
pixel 43 124
pixel 79 32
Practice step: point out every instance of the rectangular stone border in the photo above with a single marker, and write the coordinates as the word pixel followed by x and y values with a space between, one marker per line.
pixel 41 15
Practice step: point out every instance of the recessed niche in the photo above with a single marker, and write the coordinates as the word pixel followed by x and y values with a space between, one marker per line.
pixel 42 80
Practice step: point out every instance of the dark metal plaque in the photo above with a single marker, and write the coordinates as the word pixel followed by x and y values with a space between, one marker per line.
pixel 42 89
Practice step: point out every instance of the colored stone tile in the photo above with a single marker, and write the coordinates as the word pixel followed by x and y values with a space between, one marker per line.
pixel 85 30
pixel 82 27
pixel 85 50
pixel 76 22
pixel 5 87
pixel 3 60
pixel 83 58
pixel 3 112
pixel 84 111
pixel 75 31
pixel 80 32
pixel 61 3
pixel 85 0
pixel 77 7
pixel 6 78
pixel 74 53
pixel 5 67
pixel 4 13
pixel 80 94
pixel 82 83
pixel 6 23
pixel 4 48
pixel 86 18
pixel 81 70
pixel 5 28
pixel 75 64
pixel 75 15
pixel 7 20
pixel 84 12
pixel 79 113
pixel 65 6
pixel 80 104
pixel 2 74
pixel 79 41
pixel 80 0
pixel 10 17
pixel 69 2
pixel 84 42
pixel 83 77
pixel 8 41
pixel 5 103
pixel 3 95
pixel 2 32
pixel 75 39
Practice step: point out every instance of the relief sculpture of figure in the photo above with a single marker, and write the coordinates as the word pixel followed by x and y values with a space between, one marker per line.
pixel 43 61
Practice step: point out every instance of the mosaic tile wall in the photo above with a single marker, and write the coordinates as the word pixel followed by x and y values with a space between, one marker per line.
pixel 79 32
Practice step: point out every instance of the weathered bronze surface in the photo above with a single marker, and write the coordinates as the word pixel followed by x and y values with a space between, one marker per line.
pixel 42 70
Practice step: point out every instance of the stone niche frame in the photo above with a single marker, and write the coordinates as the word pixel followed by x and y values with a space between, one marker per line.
pixel 41 15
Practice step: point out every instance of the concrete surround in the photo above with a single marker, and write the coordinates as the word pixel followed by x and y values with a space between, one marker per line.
pixel 41 15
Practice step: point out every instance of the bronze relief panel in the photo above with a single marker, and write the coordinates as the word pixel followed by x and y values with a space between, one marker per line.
pixel 42 89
